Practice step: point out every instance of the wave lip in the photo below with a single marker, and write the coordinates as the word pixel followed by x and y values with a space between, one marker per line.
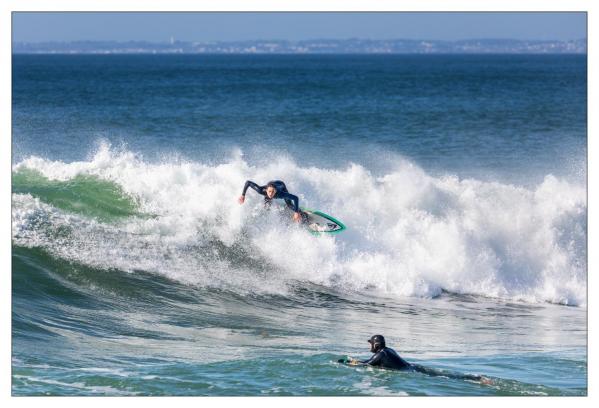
pixel 409 233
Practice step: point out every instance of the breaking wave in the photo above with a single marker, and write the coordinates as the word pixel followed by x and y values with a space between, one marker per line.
pixel 409 233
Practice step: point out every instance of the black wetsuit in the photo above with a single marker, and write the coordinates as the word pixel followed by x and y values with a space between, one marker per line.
pixel 281 193
pixel 441 373
pixel 388 358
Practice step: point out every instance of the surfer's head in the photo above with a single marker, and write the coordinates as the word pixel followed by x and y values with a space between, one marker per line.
pixel 271 190
pixel 377 343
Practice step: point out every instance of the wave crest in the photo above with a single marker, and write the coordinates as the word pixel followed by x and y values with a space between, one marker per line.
pixel 409 233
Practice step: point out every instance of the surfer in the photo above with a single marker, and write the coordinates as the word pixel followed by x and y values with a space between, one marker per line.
pixel 386 357
pixel 274 190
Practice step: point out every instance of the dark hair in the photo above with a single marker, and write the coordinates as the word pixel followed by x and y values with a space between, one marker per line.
pixel 271 185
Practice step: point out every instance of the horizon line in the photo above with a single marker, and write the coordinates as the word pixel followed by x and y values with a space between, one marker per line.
pixel 173 40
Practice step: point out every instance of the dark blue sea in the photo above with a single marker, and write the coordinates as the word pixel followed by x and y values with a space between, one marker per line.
pixel 461 179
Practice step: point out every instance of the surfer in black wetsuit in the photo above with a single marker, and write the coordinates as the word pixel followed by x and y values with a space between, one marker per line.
pixel 386 357
pixel 274 190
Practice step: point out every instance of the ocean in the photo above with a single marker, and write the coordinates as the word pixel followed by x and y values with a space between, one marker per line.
pixel 462 180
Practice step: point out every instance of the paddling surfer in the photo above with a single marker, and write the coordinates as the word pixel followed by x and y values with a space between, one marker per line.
pixel 386 357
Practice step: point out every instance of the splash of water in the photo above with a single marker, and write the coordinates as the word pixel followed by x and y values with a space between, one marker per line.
pixel 410 233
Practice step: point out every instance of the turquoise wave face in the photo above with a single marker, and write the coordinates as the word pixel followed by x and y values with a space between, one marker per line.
pixel 85 195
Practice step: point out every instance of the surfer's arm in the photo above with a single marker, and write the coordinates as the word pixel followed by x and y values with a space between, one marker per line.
pixel 374 360
pixel 250 184
pixel 293 198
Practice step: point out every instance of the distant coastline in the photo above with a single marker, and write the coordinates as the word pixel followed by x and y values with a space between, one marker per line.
pixel 322 46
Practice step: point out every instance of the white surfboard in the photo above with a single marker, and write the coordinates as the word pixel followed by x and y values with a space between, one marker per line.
pixel 319 222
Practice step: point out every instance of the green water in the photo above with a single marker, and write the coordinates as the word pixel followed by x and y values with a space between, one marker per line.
pixel 86 195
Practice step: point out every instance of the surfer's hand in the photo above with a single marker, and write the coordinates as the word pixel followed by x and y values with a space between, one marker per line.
pixel 297 217
pixel 241 199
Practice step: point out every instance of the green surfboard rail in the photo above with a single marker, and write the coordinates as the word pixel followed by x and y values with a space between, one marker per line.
pixel 328 217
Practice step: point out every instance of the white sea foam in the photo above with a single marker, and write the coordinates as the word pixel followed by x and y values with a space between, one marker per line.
pixel 409 233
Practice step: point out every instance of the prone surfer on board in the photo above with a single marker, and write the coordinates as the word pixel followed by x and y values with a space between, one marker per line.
pixel 386 357
pixel 274 190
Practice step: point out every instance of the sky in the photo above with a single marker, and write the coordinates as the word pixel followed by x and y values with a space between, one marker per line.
pixel 160 27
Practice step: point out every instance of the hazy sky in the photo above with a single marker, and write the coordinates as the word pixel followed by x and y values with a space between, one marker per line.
pixel 35 27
